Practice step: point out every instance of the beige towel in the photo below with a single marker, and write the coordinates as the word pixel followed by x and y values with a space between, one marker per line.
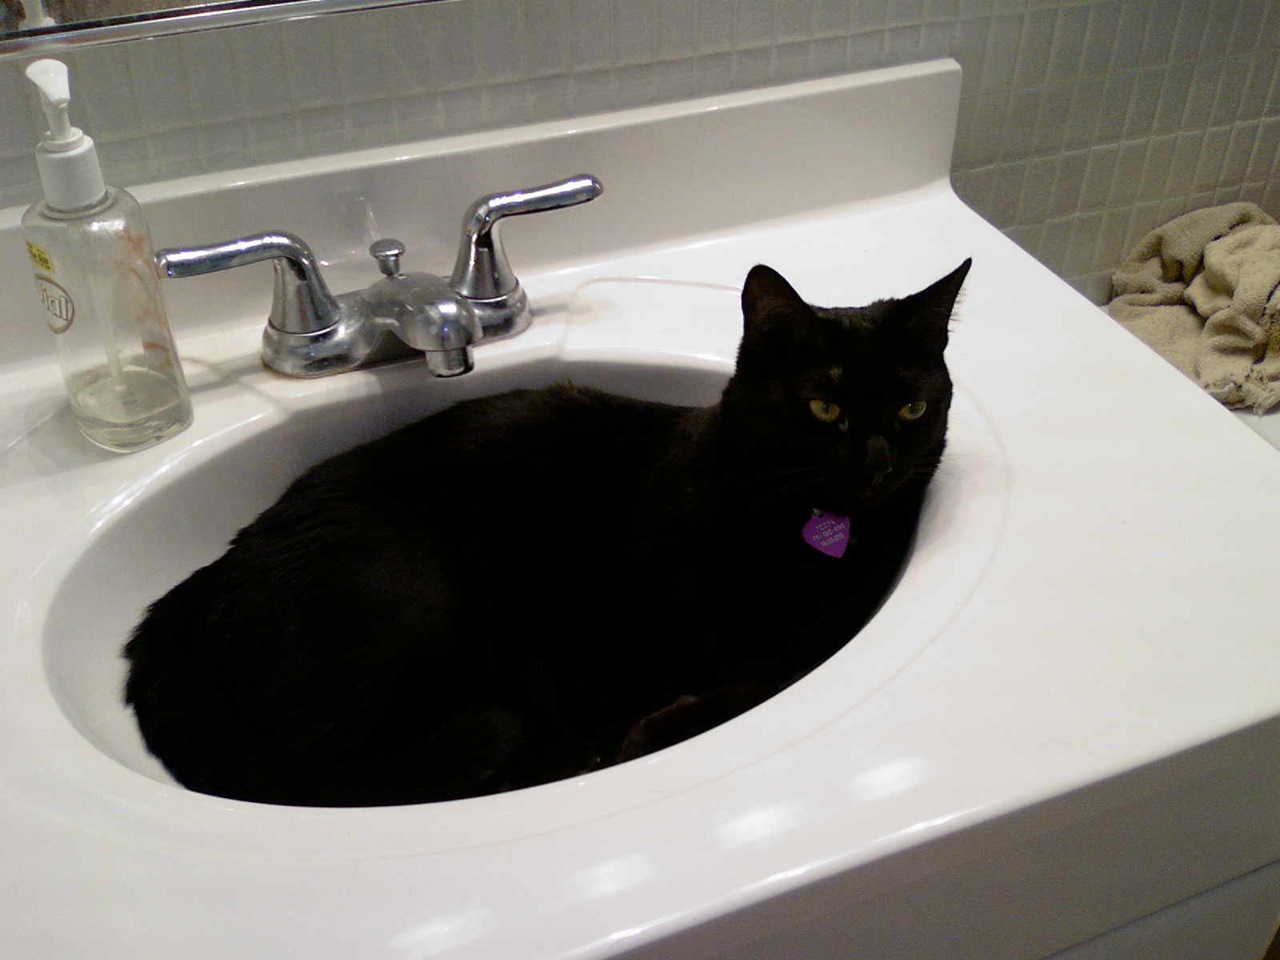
pixel 1204 291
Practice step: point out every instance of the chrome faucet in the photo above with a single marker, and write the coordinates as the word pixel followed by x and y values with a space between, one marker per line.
pixel 312 333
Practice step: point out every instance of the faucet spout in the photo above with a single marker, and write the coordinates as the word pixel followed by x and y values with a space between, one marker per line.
pixel 423 311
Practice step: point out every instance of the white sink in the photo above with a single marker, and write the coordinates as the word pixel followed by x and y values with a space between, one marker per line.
pixel 1062 720
pixel 625 335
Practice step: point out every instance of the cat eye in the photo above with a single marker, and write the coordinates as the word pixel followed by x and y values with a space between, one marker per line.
pixel 913 411
pixel 825 410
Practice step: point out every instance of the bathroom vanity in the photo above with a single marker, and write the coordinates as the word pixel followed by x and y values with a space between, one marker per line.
pixel 1058 737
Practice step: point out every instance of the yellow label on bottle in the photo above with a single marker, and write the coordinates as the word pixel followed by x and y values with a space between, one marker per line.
pixel 40 257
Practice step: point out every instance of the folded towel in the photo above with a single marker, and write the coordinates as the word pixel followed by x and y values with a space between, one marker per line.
pixel 1204 292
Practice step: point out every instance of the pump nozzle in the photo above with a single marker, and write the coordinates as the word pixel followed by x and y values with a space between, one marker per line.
pixel 50 78
pixel 66 157
pixel 35 16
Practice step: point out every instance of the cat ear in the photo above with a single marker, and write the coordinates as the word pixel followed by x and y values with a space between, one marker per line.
pixel 766 294
pixel 929 311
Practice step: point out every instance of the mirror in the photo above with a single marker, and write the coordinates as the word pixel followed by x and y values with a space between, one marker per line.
pixel 36 26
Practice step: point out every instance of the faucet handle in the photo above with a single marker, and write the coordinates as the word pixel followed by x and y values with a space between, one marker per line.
pixel 387 252
pixel 302 302
pixel 482 273
pixel 307 333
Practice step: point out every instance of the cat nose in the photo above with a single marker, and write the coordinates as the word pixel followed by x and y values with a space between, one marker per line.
pixel 879 461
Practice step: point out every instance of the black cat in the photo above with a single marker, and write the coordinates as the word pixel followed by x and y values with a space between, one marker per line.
pixel 538 584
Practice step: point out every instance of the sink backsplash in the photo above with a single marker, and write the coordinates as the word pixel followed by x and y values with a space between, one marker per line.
pixel 667 179
pixel 1084 123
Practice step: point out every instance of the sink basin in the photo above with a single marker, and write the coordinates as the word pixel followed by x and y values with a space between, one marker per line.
pixel 184 515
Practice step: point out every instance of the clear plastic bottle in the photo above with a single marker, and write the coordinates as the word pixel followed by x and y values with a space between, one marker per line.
pixel 97 282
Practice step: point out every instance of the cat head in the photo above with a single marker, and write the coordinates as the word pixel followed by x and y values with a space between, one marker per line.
pixel 842 406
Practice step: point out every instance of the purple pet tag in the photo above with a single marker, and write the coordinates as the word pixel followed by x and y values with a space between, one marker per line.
pixel 827 532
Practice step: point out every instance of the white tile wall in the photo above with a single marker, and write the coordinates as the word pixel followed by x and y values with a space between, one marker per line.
pixel 1084 123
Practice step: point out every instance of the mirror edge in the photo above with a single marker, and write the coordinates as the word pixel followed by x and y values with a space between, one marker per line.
pixel 49 43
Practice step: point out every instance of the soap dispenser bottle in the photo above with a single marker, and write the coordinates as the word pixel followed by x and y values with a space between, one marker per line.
pixel 99 288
